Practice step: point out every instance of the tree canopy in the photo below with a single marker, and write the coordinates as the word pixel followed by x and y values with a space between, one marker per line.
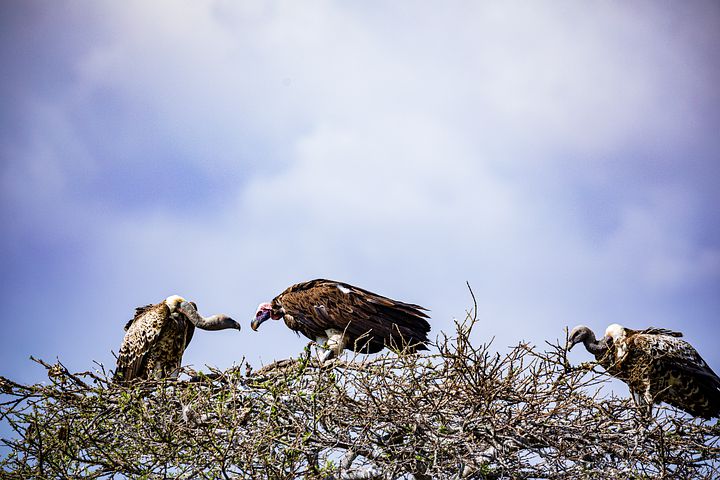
pixel 463 411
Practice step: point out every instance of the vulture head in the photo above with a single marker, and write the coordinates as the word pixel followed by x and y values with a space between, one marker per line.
pixel 578 335
pixel 180 306
pixel 173 302
pixel 583 334
pixel 615 332
pixel 264 312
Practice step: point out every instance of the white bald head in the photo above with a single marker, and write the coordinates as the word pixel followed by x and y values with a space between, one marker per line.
pixel 615 331
pixel 174 301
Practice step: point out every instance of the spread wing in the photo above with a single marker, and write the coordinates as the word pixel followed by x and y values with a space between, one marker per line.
pixel 142 333
pixel 370 321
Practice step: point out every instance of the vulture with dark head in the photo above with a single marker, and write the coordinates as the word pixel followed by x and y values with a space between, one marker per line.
pixel 158 335
pixel 657 365
pixel 599 348
pixel 342 316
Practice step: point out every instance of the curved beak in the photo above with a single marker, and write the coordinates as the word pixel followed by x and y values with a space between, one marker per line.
pixel 230 323
pixel 570 345
pixel 259 319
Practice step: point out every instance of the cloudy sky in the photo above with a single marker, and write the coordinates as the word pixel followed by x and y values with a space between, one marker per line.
pixel 562 157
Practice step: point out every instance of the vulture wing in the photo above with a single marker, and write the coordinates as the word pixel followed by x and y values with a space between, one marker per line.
pixel 688 381
pixel 143 332
pixel 138 313
pixel 370 321
pixel 658 331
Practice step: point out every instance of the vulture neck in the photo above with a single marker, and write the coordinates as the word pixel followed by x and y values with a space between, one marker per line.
pixel 213 322
pixel 597 347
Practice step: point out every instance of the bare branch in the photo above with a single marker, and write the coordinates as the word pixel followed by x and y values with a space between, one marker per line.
pixel 463 412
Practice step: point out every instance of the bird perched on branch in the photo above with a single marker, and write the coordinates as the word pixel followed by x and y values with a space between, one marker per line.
pixel 657 365
pixel 158 335
pixel 342 316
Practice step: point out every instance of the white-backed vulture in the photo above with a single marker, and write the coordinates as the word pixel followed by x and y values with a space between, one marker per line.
pixel 158 335
pixel 657 365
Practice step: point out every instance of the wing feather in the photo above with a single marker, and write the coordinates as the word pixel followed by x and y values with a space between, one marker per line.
pixel 657 331
pixel 690 382
pixel 138 312
pixel 367 318
pixel 142 333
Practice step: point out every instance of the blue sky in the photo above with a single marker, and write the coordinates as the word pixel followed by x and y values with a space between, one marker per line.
pixel 562 157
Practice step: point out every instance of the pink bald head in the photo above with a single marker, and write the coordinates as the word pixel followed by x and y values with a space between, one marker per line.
pixel 264 311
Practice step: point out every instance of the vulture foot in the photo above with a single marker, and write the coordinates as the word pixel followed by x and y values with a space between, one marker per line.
pixel 329 355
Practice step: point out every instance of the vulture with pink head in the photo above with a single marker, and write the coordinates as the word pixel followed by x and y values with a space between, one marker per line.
pixel 342 316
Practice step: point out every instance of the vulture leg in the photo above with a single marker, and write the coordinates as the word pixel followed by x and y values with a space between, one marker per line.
pixel 322 342
pixel 158 372
pixel 329 355
pixel 649 400
pixel 642 403
pixel 175 372
pixel 335 344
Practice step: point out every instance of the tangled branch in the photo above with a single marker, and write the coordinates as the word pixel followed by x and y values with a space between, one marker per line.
pixel 463 412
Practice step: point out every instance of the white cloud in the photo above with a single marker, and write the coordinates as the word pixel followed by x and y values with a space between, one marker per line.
pixel 565 77
pixel 407 153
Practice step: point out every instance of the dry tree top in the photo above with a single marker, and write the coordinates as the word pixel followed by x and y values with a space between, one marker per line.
pixel 462 412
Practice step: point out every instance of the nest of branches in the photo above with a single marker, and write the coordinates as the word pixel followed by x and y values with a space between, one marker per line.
pixel 462 412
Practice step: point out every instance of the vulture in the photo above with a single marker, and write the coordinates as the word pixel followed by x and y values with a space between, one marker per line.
pixel 157 336
pixel 341 316
pixel 657 365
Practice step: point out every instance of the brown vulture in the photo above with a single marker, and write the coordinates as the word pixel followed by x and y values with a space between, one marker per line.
pixel 342 316
pixel 157 336
pixel 657 365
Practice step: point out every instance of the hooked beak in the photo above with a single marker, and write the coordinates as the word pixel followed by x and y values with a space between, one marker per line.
pixel 259 319
pixel 570 345
pixel 230 323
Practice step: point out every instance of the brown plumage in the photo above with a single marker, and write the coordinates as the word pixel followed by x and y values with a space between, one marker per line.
pixel 349 317
pixel 658 366
pixel 158 335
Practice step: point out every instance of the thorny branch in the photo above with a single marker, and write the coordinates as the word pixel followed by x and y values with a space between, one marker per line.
pixel 463 412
